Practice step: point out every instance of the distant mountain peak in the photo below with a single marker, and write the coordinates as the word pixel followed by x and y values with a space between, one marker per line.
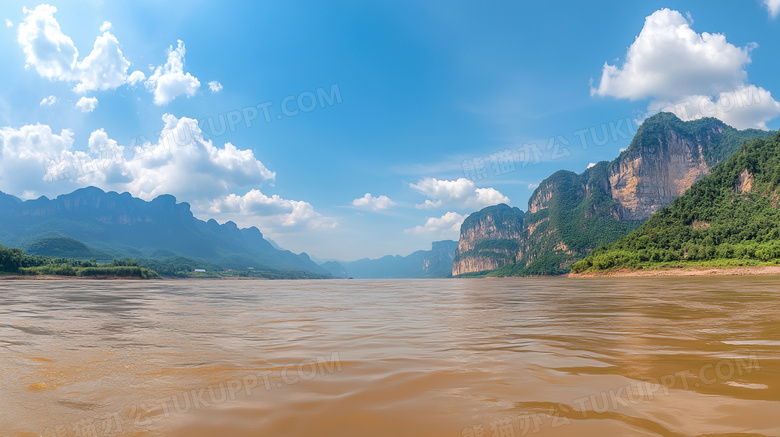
pixel 123 225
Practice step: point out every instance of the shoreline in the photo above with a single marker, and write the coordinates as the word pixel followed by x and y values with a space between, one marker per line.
pixel 122 278
pixel 694 271
pixel 70 278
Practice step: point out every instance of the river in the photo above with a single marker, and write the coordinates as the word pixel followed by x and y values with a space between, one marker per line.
pixel 468 358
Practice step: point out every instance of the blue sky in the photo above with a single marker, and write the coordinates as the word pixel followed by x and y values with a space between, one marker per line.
pixel 403 100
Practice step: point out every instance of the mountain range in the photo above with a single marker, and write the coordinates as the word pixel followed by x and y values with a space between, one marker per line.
pixel 434 263
pixel 729 218
pixel 91 223
pixel 567 217
pixel 571 214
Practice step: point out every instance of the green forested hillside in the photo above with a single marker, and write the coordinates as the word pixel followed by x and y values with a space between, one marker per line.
pixel 731 217
pixel 63 247
pixel 15 261
pixel 571 214
pixel 578 217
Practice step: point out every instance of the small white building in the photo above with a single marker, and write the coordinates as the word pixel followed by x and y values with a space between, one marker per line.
pixel 200 270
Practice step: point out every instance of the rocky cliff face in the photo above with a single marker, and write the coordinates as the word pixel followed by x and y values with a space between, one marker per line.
pixel 489 239
pixel 571 214
pixel 659 168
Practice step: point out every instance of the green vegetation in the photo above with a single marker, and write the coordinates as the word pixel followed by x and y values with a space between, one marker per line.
pixel 183 267
pixel 508 223
pixel 717 148
pixel 500 213
pixel 728 218
pixel 579 216
pixel 90 223
pixel 60 247
pixel 120 269
pixel 501 249
pixel 580 213
pixel 15 261
pixel 551 263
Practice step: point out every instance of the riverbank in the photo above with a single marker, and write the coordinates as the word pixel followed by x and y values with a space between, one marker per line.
pixel 68 278
pixel 692 271
pixel 13 277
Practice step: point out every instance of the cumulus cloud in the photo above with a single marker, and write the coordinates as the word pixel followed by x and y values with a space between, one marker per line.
pixel 105 68
pixel 461 193
pixel 745 107
pixel 773 6
pixel 373 203
pixel 254 206
pixel 444 227
pixel 215 86
pixel 181 162
pixel 170 81
pixel 48 101
pixel 87 104
pixel 55 57
pixel 135 77
pixel 46 48
pixel 9 23
pixel 675 67
pixel 25 152
pixel 670 59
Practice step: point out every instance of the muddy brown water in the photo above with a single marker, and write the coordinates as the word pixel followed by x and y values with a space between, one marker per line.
pixel 481 358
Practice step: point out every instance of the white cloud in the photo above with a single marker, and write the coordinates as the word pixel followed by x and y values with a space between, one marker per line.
pixel 255 207
pixel 87 104
pixel 180 162
pixel 444 227
pixel 669 59
pixel 105 68
pixel 9 23
pixel 690 74
pixel 185 164
pixel 215 86
pixel 461 193
pixel 48 101
pixel 135 77
pixel 373 203
pixel 745 107
pixel 55 57
pixel 773 6
pixel 25 152
pixel 591 164
pixel 170 81
pixel 46 48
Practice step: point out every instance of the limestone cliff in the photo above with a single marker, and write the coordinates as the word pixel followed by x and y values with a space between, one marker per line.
pixel 661 164
pixel 571 214
pixel 489 239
